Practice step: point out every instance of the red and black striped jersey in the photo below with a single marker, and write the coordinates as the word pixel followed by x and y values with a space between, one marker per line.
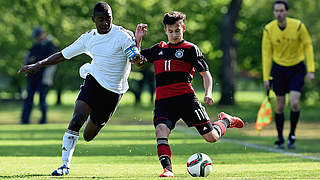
pixel 174 66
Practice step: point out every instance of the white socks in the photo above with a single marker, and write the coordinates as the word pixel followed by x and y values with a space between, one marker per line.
pixel 70 140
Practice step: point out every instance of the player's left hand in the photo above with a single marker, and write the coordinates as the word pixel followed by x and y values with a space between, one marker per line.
pixel 139 60
pixel 208 100
pixel 141 31
pixel 310 76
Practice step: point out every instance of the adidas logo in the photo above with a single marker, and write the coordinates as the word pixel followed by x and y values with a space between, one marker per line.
pixel 205 128
pixel 64 149
pixel 160 53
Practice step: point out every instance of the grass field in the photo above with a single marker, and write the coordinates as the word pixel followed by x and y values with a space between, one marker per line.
pixel 129 152
pixel 126 147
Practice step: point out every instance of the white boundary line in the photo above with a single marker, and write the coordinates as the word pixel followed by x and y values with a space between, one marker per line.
pixel 255 146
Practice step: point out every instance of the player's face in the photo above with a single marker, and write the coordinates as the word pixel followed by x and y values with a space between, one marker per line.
pixel 103 22
pixel 41 37
pixel 280 12
pixel 175 32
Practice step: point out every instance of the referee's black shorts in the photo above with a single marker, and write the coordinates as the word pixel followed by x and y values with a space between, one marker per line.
pixel 102 101
pixel 286 79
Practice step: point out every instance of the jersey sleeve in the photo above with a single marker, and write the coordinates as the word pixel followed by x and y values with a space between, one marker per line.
pixel 127 39
pixel 308 49
pixel 198 60
pixel 266 55
pixel 149 53
pixel 76 48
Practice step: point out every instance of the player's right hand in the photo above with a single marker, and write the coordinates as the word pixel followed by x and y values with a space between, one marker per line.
pixel 310 76
pixel 139 60
pixel 32 68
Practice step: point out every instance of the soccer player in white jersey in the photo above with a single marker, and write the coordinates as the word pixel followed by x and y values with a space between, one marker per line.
pixel 111 48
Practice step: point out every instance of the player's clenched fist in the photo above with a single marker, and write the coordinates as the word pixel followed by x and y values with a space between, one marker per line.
pixel 141 30
pixel 138 59
pixel 208 100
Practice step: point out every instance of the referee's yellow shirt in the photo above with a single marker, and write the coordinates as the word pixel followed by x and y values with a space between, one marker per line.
pixel 286 47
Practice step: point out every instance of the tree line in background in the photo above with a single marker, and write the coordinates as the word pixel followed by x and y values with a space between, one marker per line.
pixel 228 32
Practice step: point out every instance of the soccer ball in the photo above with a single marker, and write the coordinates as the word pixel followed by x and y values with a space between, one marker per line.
pixel 199 165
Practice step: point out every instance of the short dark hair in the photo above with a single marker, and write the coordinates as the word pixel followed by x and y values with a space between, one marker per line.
pixel 102 7
pixel 172 17
pixel 285 3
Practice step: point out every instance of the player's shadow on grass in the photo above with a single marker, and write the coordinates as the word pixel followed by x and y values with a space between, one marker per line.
pixel 37 176
pixel 56 134
pixel 40 176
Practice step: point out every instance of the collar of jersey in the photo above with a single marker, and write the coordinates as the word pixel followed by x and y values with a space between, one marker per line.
pixel 176 44
pixel 107 34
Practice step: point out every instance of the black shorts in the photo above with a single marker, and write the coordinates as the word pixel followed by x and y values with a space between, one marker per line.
pixel 102 101
pixel 286 79
pixel 187 107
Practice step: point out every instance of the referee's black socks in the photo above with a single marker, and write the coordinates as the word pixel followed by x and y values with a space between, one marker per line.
pixel 279 119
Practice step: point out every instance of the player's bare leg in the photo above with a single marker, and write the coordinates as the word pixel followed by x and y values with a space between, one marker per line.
pixel 164 151
pixel 279 120
pixel 91 130
pixel 71 136
pixel 211 136
pixel 294 117
pixel 219 127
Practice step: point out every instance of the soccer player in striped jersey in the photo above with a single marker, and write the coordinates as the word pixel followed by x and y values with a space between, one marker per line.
pixel 175 63
pixel 285 44
pixel 111 48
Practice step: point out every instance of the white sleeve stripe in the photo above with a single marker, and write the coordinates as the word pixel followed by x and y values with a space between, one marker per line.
pixel 199 53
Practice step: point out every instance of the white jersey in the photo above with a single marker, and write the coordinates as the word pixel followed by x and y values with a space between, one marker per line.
pixel 109 65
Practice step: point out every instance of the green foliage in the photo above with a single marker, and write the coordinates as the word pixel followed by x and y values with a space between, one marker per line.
pixel 67 20
pixel 254 16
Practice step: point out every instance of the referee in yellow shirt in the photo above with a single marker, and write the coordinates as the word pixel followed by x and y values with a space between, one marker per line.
pixel 285 44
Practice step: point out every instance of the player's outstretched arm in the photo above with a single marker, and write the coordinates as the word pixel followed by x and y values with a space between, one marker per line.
pixel 207 83
pixel 51 60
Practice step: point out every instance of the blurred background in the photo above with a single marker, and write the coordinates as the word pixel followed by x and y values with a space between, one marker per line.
pixel 228 32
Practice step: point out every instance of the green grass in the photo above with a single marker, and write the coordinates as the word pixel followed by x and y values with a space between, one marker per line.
pixel 129 152
pixel 126 147
pixel 247 106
